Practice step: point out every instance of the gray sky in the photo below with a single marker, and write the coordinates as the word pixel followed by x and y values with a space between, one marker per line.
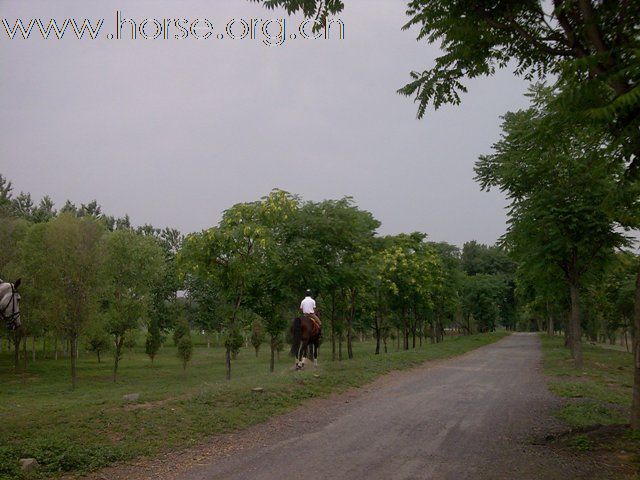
pixel 175 131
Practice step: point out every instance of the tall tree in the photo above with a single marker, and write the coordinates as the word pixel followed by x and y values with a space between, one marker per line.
pixel 227 256
pixel 132 265
pixel 566 206
pixel 413 275
pixel 62 258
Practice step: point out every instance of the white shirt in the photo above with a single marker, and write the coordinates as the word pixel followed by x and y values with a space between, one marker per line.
pixel 308 305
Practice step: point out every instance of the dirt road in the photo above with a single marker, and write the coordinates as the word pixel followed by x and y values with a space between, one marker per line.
pixel 478 416
pixel 475 416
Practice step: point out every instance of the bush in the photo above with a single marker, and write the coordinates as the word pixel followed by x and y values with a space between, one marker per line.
pixel 98 342
pixel 233 341
pixel 180 330
pixel 130 342
pixel 153 341
pixel 257 334
pixel 185 350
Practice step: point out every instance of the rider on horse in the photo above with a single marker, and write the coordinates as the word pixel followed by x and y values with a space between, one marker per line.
pixel 308 307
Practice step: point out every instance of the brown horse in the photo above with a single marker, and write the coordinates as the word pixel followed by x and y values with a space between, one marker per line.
pixel 306 340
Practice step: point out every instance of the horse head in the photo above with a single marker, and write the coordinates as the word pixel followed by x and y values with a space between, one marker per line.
pixel 10 304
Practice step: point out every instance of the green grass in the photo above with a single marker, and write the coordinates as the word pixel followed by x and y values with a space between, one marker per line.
pixel 82 430
pixel 598 410
pixel 604 385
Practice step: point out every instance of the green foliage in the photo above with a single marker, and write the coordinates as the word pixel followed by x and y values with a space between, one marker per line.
pixel 581 443
pixel 62 259
pixel 258 334
pixel 98 341
pixel 278 343
pixel 130 341
pixel 566 202
pixel 481 301
pixel 180 330
pixel 185 350
pixel 153 341
pixel 233 341
pixel 133 263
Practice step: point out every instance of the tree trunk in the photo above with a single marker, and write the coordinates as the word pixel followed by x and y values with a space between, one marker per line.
pixel 550 326
pixel 340 347
pixel 575 338
pixel 74 359
pixel 33 348
pixel 228 363
pixel 272 362
pixel 333 326
pixel 635 404
pixel 118 353
pixel 376 326
pixel 55 348
pixel 405 330
pixel 352 313
pixel 626 341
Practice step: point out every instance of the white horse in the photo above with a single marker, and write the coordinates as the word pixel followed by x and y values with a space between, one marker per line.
pixel 10 304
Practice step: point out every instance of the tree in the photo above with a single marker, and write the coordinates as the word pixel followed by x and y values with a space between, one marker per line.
pixel 62 258
pixel 227 256
pixel 185 350
pixel 335 237
pixel 181 329
pixel 205 305
pixel 492 261
pixel 257 334
pixel 448 301
pixel 412 274
pixel 45 210
pixel 133 264
pixel 481 300
pixel 565 204
pixel 5 196
pixel 153 341
pixel 277 276
pixel 98 340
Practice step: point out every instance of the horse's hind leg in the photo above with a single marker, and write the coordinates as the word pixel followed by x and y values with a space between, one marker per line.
pixel 315 352
pixel 304 352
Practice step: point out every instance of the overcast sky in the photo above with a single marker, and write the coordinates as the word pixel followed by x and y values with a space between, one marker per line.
pixel 173 132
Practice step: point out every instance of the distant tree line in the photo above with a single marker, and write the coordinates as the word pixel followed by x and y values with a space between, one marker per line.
pixel 92 281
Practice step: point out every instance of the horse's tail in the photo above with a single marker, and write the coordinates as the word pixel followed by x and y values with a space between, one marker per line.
pixel 296 333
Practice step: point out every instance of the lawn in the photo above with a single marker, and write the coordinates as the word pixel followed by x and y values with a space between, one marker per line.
pixel 599 402
pixel 82 430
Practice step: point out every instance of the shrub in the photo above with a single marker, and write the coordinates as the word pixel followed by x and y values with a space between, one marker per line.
pixel 185 350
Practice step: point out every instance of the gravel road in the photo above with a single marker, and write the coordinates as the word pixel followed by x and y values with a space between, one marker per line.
pixel 477 416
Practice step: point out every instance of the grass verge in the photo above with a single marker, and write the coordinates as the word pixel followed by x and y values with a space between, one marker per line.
pixel 598 407
pixel 89 428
